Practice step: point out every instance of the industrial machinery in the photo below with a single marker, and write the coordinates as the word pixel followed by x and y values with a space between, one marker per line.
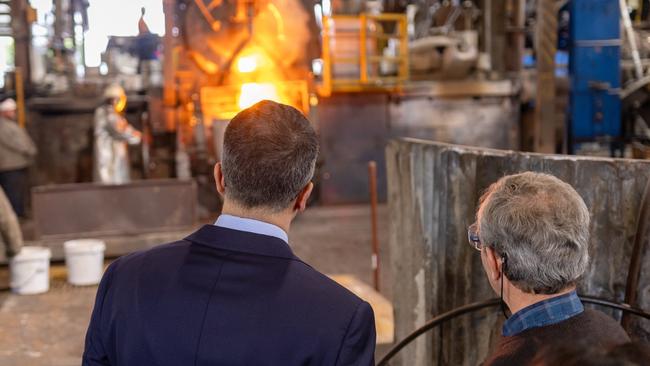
pixel 228 55
pixel 223 56
pixel 595 59
pixel 363 71
pixel 609 95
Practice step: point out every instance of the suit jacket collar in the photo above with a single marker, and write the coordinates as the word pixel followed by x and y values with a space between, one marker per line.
pixel 241 241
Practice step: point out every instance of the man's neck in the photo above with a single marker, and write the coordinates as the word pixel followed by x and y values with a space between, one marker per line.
pixel 518 300
pixel 280 219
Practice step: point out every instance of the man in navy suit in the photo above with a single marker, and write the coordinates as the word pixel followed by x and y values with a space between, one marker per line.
pixel 233 293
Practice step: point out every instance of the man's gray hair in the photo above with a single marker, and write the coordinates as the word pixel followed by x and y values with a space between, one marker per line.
pixel 541 225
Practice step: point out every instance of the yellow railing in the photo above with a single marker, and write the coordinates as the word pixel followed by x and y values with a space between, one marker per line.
pixel 369 40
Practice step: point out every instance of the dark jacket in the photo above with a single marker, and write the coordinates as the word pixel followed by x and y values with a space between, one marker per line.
pixel 225 297
pixel 591 327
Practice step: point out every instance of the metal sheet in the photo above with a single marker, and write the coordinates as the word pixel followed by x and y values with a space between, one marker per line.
pixel 355 128
pixel 77 210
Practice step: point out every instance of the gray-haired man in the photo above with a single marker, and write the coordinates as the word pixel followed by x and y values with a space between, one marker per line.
pixel 533 233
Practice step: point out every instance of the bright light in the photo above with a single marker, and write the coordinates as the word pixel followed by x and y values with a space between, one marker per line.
pixel 252 93
pixel 247 64
pixel 327 7
pixel 118 18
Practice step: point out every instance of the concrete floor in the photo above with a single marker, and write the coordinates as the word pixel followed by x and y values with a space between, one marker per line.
pixel 49 329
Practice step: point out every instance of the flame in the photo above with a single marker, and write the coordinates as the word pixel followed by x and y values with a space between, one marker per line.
pixel 252 93
pixel 257 77
pixel 246 64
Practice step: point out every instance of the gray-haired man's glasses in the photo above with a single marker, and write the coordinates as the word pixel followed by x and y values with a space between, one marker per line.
pixel 472 237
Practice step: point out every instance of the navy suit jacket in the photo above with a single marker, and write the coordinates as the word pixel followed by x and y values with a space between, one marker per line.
pixel 225 297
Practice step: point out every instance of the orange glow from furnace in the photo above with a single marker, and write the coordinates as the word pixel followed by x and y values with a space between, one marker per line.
pixel 252 93
pixel 246 64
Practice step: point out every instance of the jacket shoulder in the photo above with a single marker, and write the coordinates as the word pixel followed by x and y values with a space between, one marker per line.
pixel 604 326
pixel 158 253
pixel 318 284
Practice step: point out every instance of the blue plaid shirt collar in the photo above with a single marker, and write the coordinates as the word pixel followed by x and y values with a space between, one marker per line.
pixel 543 313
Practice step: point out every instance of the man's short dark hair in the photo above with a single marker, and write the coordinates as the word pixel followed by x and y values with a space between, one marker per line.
pixel 269 156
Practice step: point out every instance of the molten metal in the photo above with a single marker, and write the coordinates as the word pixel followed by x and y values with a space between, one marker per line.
pixel 247 64
pixel 252 93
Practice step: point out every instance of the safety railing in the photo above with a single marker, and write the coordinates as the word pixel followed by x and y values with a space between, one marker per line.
pixel 353 53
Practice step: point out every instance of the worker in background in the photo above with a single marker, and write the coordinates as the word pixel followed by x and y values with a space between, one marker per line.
pixel 112 135
pixel 17 152
pixel 10 233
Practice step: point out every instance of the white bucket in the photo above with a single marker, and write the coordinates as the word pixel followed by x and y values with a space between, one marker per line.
pixel 30 271
pixel 84 259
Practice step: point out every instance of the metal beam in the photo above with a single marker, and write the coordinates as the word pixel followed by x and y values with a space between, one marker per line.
pixel 169 69
pixel 545 47
pixel 22 38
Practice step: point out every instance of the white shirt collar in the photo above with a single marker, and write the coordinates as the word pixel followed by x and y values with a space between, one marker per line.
pixel 251 226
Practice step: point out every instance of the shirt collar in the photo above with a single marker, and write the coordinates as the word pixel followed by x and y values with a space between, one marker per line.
pixel 251 226
pixel 543 313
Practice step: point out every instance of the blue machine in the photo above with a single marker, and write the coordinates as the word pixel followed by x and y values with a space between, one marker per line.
pixel 594 67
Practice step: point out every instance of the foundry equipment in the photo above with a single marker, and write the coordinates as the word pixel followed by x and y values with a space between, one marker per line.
pixel 363 72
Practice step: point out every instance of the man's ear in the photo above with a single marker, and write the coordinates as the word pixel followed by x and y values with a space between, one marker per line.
pixel 219 179
pixel 303 197
pixel 493 263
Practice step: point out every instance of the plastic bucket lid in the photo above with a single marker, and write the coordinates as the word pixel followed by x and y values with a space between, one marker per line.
pixel 32 253
pixel 82 246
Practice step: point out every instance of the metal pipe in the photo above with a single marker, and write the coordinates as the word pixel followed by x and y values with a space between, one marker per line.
pixel 545 47
pixel 363 20
pixel 640 243
pixel 518 37
pixel 372 175
pixel 169 69
pixel 627 25
pixel 327 58
pixel 170 53
pixel 404 66
pixel 487 27
pixel 20 97
pixel 21 30
pixel 435 322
